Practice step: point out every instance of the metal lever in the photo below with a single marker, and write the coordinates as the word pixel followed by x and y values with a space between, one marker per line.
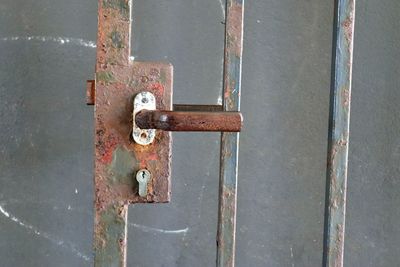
pixel 201 118
pixel 189 121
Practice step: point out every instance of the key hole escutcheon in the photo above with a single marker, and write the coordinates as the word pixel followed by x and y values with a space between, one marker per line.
pixel 143 177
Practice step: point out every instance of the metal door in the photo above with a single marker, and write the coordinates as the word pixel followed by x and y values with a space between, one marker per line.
pixel 46 196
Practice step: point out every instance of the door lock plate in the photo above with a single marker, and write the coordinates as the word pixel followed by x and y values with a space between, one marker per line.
pixel 120 150
pixel 143 101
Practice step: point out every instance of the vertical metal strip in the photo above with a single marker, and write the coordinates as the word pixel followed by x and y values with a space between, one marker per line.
pixel 110 236
pixel 114 33
pixel 230 141
pixel 113 49
pixel 339 134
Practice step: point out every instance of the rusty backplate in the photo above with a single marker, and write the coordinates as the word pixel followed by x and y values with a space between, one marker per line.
pixel 118 157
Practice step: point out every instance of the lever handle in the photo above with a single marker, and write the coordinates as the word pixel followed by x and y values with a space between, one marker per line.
pixel 189 121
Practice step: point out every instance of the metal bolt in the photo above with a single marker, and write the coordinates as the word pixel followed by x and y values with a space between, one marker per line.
pixel 143 176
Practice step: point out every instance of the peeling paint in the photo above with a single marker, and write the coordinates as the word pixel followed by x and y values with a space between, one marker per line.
pixel 122 168
pixel 123 6
pixel 110 236
pixel 116 38
pixel 105 76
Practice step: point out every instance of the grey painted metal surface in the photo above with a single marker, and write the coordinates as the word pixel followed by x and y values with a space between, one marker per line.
pixel 45 137
pixel 46 134
pixel 372 235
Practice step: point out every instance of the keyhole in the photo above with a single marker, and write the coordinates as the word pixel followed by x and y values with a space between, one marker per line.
pixel 143 177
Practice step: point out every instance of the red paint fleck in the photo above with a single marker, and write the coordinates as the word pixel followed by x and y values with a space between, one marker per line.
pixel 158 87
pixel 153 156
pixel 147 158
pixel 227 94
pixel 108 150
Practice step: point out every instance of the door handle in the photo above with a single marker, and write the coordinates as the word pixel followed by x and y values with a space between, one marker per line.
pixel 184 118
pixel 196 118
pixel 185 121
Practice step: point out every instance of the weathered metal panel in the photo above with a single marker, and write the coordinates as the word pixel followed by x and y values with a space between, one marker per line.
pixel 117 157
pixel 339 134
pixel 230 141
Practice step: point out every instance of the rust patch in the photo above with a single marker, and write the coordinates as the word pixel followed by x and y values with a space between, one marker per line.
pixel 90 92
pixel 234 28
pixel 339 245
pixel 348 24
pixel 346 98
pixel 110 241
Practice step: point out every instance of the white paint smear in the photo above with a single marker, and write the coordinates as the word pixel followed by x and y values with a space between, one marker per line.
pixel 222 8
pixel 59 40
pixel 158 230
pixel 51 238
pixel 219 100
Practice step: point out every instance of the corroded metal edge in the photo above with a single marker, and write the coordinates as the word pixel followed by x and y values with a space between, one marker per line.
pixel 90 92
pixel 117 157
pixel 230 141
pixel 338 143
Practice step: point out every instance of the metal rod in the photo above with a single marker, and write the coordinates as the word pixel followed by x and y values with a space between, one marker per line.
pixel 183 107
pixel 338 143
pixel 189 121
pixel 230 141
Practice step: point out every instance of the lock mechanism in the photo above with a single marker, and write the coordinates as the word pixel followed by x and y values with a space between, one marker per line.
pixel 143 177
pixel 134 118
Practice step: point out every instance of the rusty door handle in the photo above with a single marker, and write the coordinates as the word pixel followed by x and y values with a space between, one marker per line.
pixel 189 121
pixel 184 118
